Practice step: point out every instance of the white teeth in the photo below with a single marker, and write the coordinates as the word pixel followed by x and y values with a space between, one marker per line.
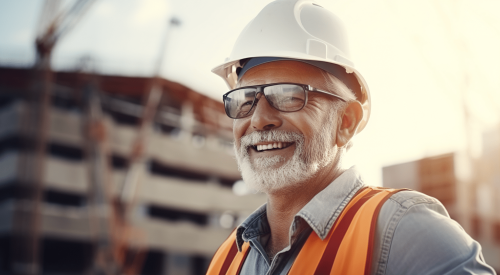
pixel 264 147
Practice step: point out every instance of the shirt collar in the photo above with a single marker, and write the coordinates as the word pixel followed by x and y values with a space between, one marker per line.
pixel 251 225
pixel 320 213
pixel 324 208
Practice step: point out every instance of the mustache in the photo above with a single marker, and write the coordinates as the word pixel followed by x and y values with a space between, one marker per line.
pixel 270 135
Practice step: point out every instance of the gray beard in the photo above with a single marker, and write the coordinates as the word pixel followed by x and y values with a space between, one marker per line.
pixel 261 177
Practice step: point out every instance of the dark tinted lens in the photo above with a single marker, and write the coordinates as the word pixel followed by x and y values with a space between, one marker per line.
pixel 239 103
pixel 286 97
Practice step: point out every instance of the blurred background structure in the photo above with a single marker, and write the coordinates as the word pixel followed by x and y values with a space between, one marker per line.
pixel 116 155
pixel 106 174
pixel 467 187
pixel 185 206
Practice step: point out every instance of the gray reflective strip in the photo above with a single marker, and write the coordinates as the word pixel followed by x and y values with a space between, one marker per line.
pixel 298 246
pixel 258 61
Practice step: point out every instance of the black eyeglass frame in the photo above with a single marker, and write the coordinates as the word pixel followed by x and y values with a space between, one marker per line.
pixel 260 89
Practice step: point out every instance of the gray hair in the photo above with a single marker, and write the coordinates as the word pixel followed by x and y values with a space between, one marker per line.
pixel 337 87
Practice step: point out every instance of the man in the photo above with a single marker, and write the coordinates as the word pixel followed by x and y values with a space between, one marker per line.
pixel 297 102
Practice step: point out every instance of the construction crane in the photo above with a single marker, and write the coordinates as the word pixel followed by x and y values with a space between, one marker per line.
pixel 110 229
pixel 153 98
pixel 137 158
pixel 114 253
pixel 109 216
pixel 26 242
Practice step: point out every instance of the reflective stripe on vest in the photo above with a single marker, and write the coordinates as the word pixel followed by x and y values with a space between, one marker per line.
pixel 347 249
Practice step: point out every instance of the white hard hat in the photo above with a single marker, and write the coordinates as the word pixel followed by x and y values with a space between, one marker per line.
pixel 298 30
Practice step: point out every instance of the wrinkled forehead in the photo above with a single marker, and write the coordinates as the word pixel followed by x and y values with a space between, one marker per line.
pixel 283 71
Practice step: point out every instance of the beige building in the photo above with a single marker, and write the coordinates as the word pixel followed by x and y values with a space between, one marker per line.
pixel 470 190
pixel 186 204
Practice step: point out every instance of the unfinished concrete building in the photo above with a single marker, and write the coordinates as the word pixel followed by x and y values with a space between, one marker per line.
pixel 185 204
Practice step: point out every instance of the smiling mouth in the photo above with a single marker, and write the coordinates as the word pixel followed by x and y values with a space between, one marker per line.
pixel 271 146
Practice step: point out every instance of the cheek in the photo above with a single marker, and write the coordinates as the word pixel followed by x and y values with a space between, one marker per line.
pixel 311 125
pixel 305 123
pixel 239 129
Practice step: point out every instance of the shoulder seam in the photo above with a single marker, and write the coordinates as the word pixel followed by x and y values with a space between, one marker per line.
pixel 415 201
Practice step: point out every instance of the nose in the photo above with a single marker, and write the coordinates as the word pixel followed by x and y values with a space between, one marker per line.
pixel 265 117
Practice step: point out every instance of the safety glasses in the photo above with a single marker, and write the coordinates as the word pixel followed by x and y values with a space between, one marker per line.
pixel 284 97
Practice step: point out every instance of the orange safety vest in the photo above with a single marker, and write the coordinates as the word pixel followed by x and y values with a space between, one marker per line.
pixel 347 249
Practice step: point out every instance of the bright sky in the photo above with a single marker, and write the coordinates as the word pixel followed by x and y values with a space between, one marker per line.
pixel 420 58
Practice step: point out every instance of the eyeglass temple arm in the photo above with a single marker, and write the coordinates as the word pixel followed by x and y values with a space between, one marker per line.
pixel 324 92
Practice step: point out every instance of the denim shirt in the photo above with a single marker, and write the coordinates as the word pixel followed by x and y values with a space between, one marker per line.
pixel 414 234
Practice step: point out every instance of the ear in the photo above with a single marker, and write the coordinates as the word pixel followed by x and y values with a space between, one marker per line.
pixel 351 118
